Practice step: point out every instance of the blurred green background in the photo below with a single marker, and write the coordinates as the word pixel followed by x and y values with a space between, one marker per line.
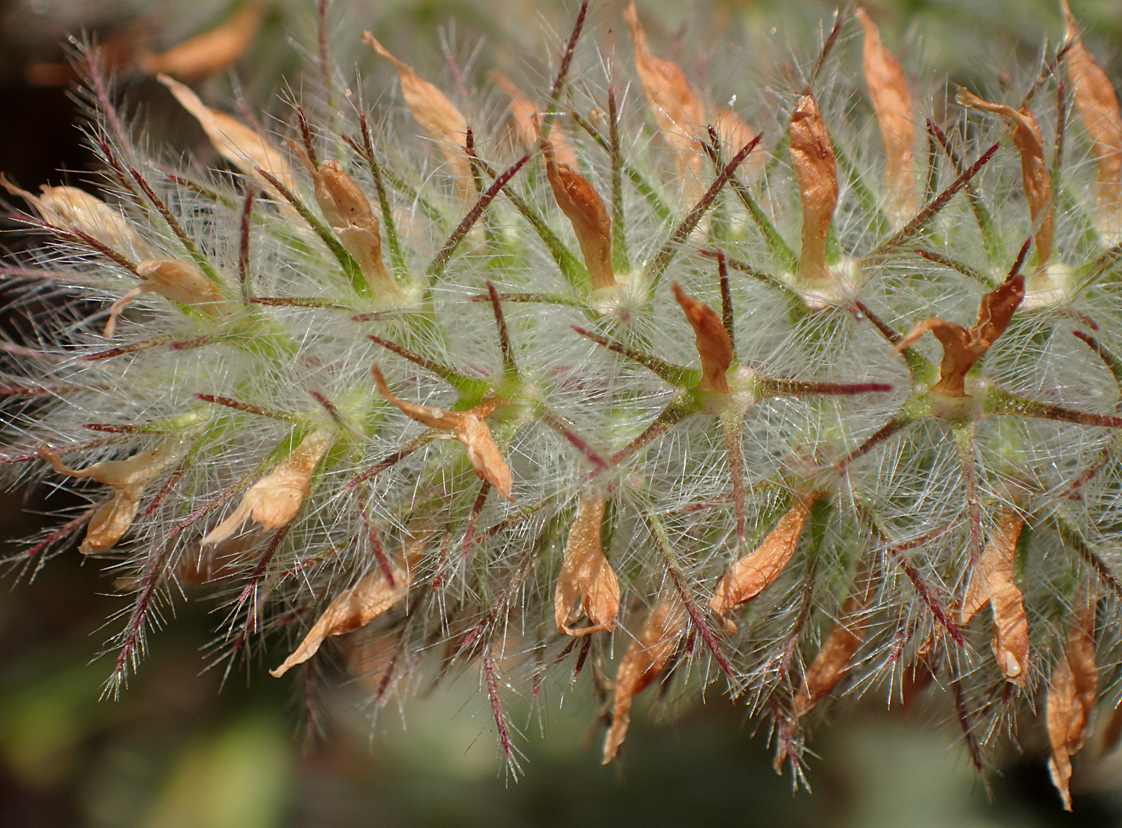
pixel 182 749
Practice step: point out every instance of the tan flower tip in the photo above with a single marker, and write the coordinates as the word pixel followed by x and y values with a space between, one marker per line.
pixel 816 171
pixel 274 500
pixel 468 427
pixel 713 342
pixel 127 478
pixel 67 207
pixel 526 118
pixel 586 574
pixel 1071 698
pixel 350 610
pixel 645 658
pixel 754 572
pixel 585 210
pixel 992 582
pixel 432 109
pixel 174 280
pixel 212 51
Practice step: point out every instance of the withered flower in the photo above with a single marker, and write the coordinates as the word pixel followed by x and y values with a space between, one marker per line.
pixel 350 610
pixel 816 170
pixel 963 347
pixel 527 121
pixel 466 426
pixel 892 103
pixel 348 213
pixel 127 478
pixel 70 207
pixel 754 572
pixel 1071 697
pixel 243 147
pixel 1035 179
pixel 1096 104
pixel 714 345
pixel 211 51
pixel 586 574
pixel 441 119
pixel 679 111
pixel 992 582
pixel 174 280
pixel 585 210
pixel 645 658
pixel 274 500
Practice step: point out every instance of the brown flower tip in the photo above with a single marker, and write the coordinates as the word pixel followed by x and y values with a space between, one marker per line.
pixel 351 218
pixel 70 207
pixel 713 342
pixel 892 103
pixel 645 658
pixel 274 500
pixel 754 572
pixel 243 147
pixel 350 610
pixel 174 280
pixel 1096 105
pixel 816 171
pixel 128 479
pixel 527 121
pixel 441 119
pixel 1035 179
pixel 586 574
pixel 466 426
pixel 992 581
pixel 963 347
pixel 679 111
pixel 1071 697
pixel 585 210
pixel 212 51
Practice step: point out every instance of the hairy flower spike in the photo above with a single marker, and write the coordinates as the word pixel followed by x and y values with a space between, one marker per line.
pixel 794 461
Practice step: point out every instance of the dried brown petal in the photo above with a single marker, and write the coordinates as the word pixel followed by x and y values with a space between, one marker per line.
pixel 527 122
pixel 1035 179
pixel 350 610
pixel 754 572
pixel 175 280
pixel 734 134
pixel 466 426
pixel 962 347
pixel 817 173
pixel 678 110
pixel 992 582
pixel 836 653
pixel 586 574
pixel 243 147
pixel 350 216
pixel 585 210
pixel 1071 697
pixel 274 500
pixel 713 342
pixel 127 478
pixel 895 113
pixel 433 111
pixel 69 207
pixel 1096 104
pixel 644 660
pixel 212 51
